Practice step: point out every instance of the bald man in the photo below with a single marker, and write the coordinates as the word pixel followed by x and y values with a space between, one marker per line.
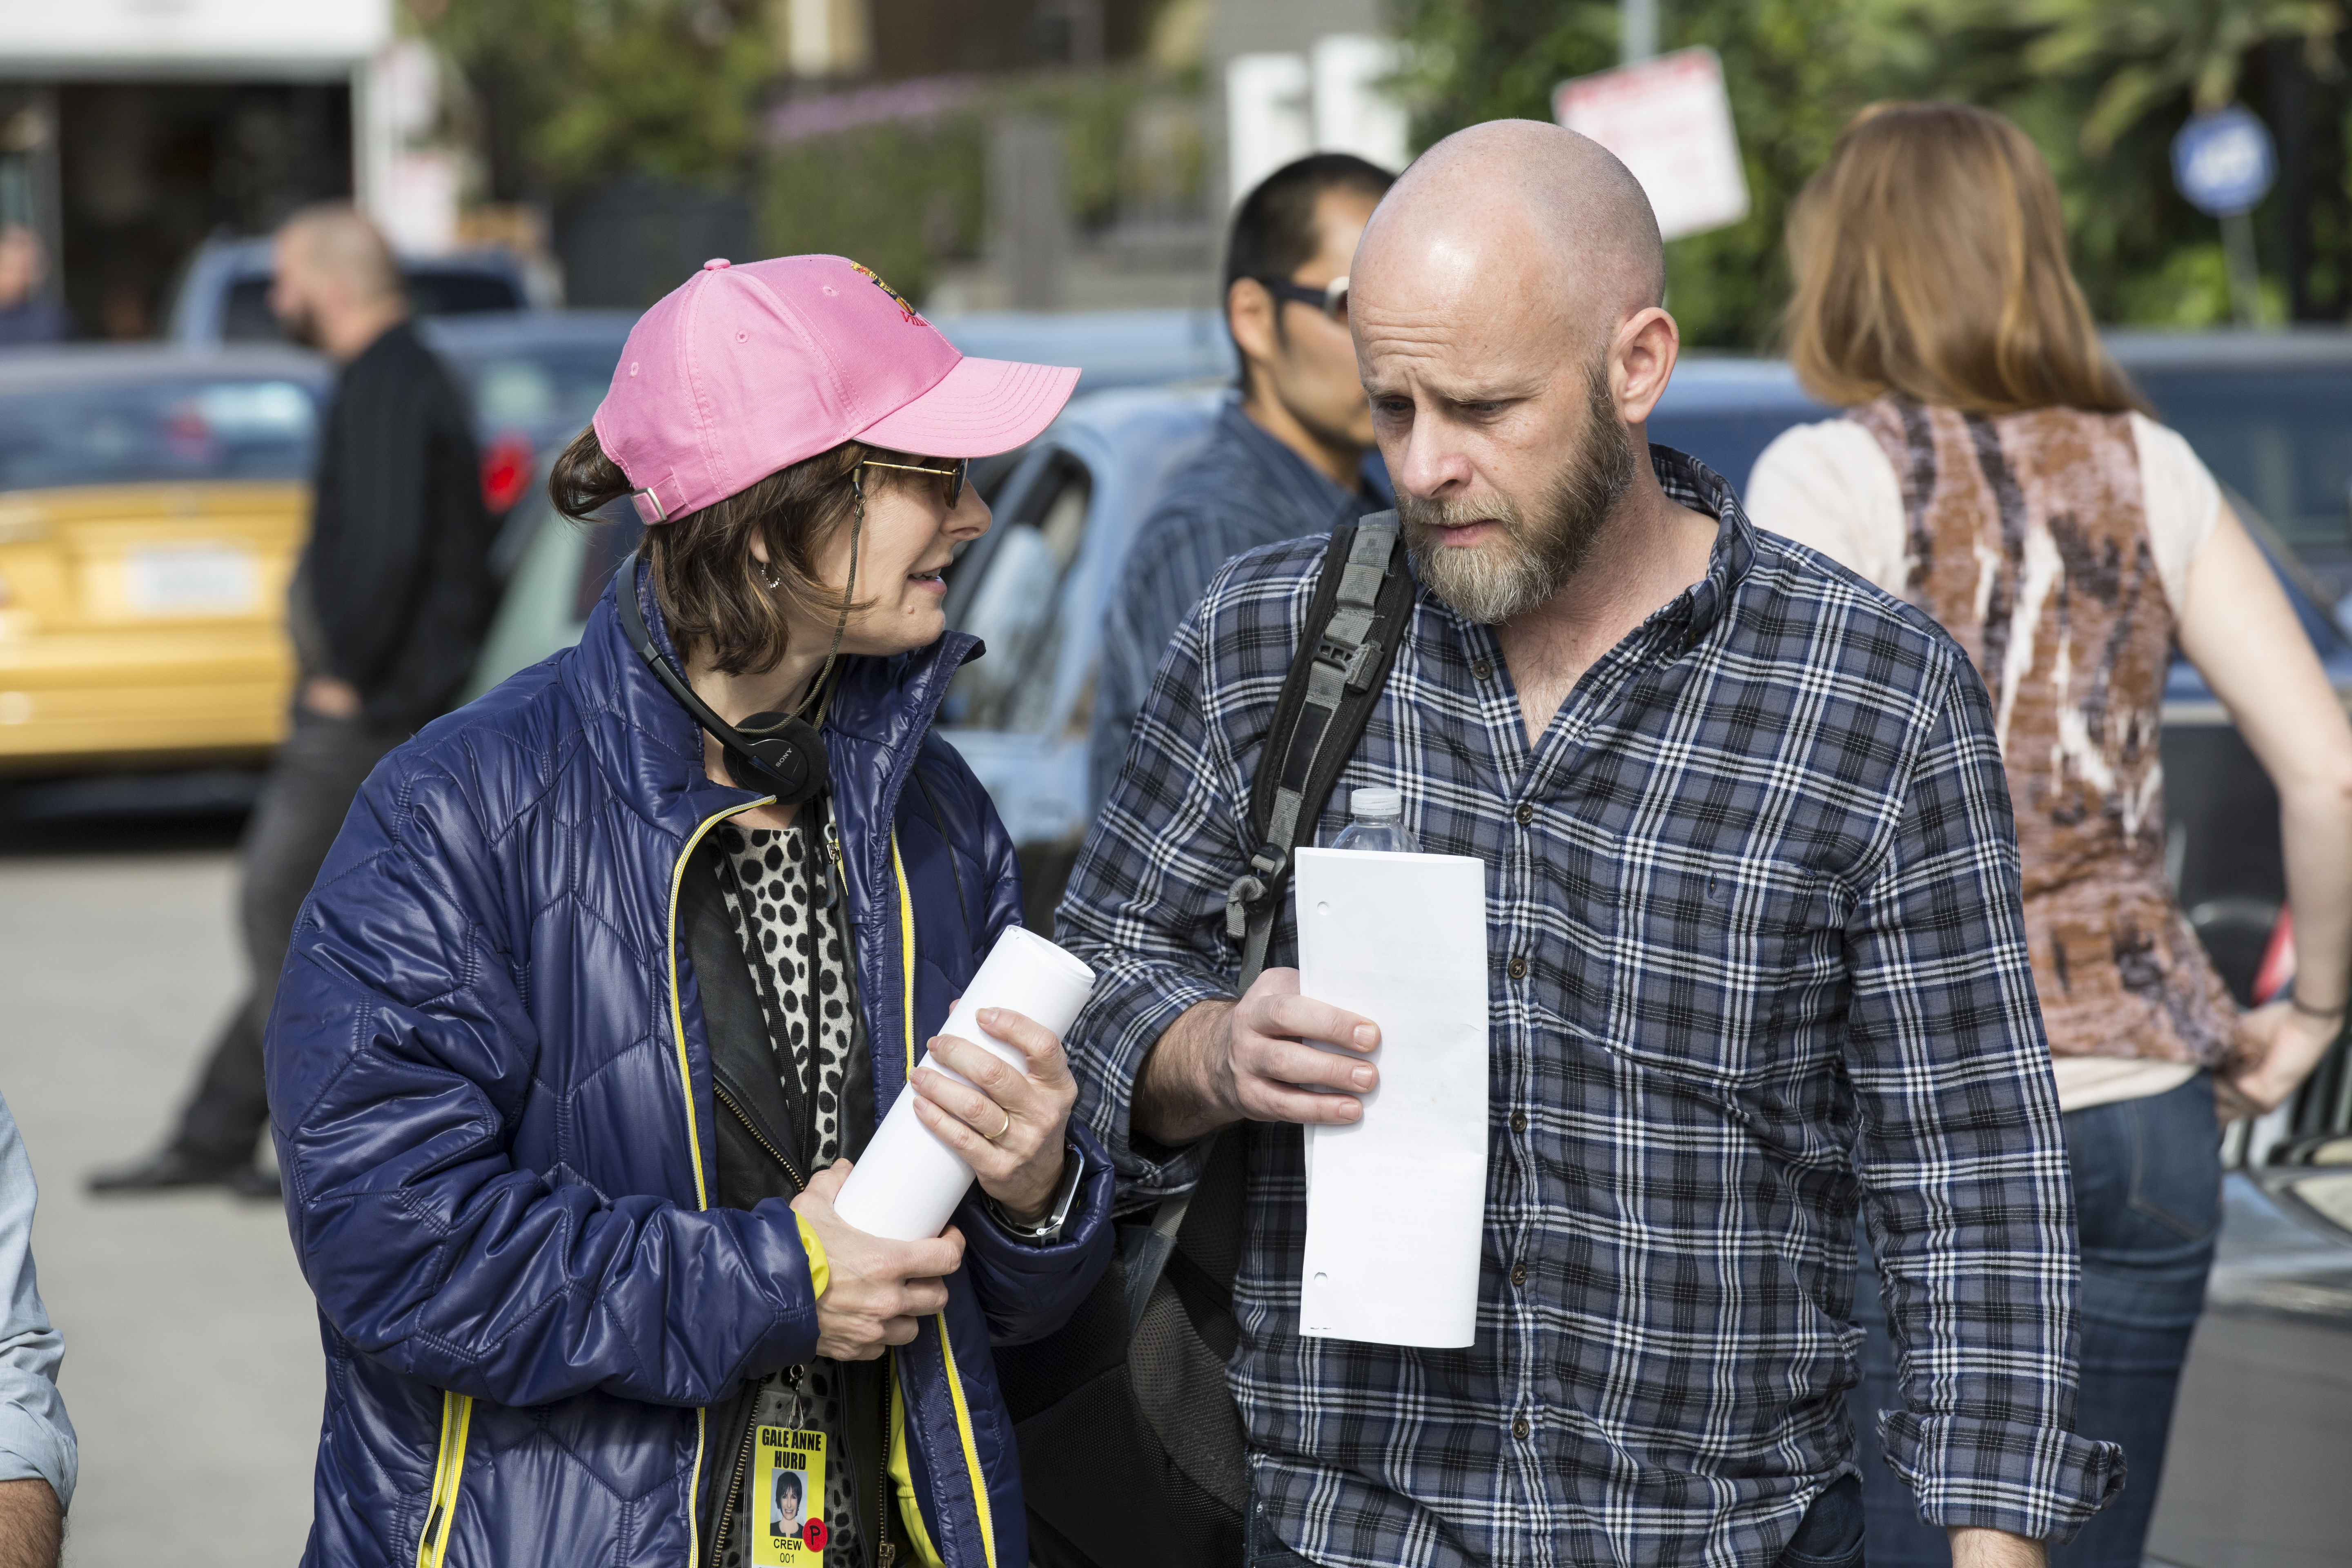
pixel 1753 918
pixel 387 610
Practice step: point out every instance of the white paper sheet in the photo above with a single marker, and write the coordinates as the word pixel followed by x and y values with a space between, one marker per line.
pixel 1396 1203
pixel 909 1183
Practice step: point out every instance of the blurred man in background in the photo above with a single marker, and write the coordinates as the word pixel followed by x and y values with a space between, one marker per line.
pixel 26 315
pixel 387 610
pixel 37 1452
pixel 1288 459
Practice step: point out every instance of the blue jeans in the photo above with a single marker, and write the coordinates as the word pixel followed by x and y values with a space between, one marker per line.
pixel 2147 1198
pixel 1830 1535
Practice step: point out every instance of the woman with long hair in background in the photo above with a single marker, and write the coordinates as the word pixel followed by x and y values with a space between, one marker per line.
pixel 1995 469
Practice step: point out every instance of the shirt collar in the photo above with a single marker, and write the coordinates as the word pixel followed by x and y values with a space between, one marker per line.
pixel 1691 483
pixel 1267 449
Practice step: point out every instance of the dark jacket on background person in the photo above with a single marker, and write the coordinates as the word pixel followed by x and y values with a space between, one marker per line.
pixel 393 590
pixel 33 321
pixel 491 1073
pixel 1243 490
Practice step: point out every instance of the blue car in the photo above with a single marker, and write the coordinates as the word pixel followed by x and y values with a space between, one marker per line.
pixel 224 293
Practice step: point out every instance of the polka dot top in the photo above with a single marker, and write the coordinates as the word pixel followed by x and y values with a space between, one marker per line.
pixel 800 972
pixel 799 948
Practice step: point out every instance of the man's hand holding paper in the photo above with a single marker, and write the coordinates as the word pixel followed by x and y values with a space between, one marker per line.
pixel 1251 1061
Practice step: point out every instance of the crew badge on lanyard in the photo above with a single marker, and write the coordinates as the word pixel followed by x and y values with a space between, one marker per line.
pixel 788 1484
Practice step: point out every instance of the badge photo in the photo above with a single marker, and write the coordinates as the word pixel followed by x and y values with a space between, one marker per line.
pixel 788 1487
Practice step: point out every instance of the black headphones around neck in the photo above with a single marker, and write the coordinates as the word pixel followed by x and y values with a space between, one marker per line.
pixel 781 751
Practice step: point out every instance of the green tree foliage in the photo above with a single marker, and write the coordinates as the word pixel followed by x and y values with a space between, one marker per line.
pixel 581 91
pixel 2101 86
pixel 901 196
pixel 2147 55
pixel 1796 70
pixel 905 196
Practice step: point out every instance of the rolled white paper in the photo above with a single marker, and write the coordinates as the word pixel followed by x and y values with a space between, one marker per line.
pixel 909 1182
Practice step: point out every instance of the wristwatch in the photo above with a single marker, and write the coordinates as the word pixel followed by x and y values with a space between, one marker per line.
pixel 1047 1231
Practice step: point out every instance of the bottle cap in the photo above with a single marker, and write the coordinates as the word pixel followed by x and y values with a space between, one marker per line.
pixel 1375 803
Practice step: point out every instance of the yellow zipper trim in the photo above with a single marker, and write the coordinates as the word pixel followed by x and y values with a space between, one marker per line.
pixel 693 1138
pixel 955 1379
pixel 902 1484
pixel 906 952
pixel 448 1470
pixel 971 1446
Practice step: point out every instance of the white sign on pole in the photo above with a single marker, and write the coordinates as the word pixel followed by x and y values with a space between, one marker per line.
pixel 1669 119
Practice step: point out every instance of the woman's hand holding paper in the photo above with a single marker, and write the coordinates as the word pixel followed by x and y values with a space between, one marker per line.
pixel 876 1290
pixel 1008 1122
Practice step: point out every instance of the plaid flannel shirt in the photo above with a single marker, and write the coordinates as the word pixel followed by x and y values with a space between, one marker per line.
pixel 1753 917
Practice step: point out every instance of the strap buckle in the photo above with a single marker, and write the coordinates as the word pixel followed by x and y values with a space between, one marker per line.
pixel 1249 889
pixel 1354 661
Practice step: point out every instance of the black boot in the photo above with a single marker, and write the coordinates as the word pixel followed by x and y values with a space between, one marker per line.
pixel 166 1171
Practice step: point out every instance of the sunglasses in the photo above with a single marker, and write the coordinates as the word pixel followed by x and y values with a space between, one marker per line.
pixel 1331 298
pixel 954 475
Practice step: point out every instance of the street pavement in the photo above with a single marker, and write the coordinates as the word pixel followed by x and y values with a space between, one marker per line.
pixel 193 1369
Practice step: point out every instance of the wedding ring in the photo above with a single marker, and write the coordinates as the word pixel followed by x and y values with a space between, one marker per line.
pixel 1003 1130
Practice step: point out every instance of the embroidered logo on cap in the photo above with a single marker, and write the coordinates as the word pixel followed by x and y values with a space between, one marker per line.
pixel 905 309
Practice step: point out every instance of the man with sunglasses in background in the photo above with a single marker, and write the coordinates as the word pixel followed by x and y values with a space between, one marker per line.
pixel 1286 458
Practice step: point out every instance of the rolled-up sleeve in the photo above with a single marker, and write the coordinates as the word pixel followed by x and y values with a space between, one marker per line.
pixel 1963 1159
pixel 37 1439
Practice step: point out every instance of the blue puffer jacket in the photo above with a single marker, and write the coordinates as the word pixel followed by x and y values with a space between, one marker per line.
pixel 490 1084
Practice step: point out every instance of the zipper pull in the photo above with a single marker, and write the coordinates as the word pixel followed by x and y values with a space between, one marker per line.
pixel 830 894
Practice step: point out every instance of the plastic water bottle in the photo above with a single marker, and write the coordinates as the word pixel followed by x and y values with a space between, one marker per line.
pixel 1377 822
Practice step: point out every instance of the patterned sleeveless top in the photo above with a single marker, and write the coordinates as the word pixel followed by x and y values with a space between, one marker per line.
pixel 2028 542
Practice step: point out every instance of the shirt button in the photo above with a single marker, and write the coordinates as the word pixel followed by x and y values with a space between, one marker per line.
pixel 1519 1429
pixel 1524 815
pixel 1484 669
pixel 1519 1122
pixel 1519 969
pixel 1518 1273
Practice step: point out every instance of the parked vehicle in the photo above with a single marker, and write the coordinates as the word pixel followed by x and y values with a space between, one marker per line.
pixel 152 502
pixel 2254 1478
pixel 1112 349
pixel 223 294
pixel 533 378
pixel 2270 413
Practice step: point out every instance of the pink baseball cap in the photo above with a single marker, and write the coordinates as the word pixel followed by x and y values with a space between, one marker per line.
pixel 742 370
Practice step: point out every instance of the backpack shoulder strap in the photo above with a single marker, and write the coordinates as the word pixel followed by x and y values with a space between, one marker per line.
pixel 1355 622
pixel 1362 603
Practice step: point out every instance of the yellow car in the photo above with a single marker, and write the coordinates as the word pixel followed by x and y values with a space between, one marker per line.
pixel 153 504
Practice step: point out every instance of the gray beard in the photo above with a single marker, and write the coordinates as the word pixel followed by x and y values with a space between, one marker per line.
pixel 1490 583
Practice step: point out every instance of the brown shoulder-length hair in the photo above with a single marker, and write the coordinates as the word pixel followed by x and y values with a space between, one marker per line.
pixel 1929 256
pixel 706 579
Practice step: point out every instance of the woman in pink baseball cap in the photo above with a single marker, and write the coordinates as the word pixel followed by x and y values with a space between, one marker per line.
pixel 612 974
